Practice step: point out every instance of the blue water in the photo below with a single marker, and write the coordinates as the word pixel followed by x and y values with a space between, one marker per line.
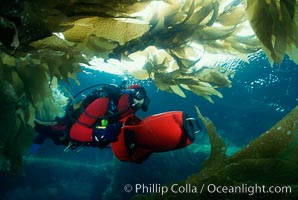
pixel 260 96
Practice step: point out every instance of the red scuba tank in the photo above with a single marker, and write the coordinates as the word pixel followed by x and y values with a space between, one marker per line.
pixel 158 133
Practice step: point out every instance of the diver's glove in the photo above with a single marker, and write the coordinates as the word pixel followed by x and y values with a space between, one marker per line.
pixel 107 134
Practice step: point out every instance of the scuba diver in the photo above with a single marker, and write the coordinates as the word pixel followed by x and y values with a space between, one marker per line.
pixel 99 123
pixel 107 116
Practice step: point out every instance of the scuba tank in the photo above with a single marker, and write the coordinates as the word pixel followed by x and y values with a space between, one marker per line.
pixel 80 101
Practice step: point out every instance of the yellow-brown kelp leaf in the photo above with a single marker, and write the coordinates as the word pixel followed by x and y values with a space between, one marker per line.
pixel 17 83
pixel 250 40
pixel 205 90
pixel 95 47
pixel 163 81
pixel 244 44
pixel 202 14
pixel 100 44
pixel 108 28
pixel 232 17
pixel 217 156
pixel 186 52
pixel 293 53
pixel 212 75
pixel 74 77
pixel 274 153
pixel 274 25
pixel 175 16
pixel 140 74
pixel 8 60
pixel 225 46
pixel 202 82
pixel 131 7
pixel 260 18
pixel 18 143
pixel 161 61
pixel 216 33
pixel 36 83
pixel 59 64
pixel 177 90
pixel 170 82
pixel 185 57
pixel 68 67
pixel 283 23
pixel 27 112
pixel 274 141
pixel 9 74
pixel 213 13
pixel 53 42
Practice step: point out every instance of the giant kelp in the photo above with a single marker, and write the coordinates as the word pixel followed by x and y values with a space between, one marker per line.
pixel 53 30
pixel 270 160
pixel 16 134
pixel 275 24
pixel 117 29
pixel 25 92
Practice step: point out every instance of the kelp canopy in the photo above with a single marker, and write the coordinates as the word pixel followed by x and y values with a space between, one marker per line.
pixel 46 40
